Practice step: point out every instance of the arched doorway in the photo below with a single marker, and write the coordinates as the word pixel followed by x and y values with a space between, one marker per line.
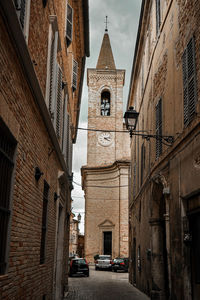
pixel 159 258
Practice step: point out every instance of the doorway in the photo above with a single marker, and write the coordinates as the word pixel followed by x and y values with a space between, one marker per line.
pixel 195 257
pixel 107 242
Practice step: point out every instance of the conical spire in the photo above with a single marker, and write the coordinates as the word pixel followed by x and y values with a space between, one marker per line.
pixel 106 59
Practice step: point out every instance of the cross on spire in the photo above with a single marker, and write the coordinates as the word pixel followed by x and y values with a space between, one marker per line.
pixel 106 22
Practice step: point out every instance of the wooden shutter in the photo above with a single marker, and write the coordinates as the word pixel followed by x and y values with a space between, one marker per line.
pixel 142 162
pixel 74 74
pixel 69 152
pixel 57 121
pixel 65 128
pixel 69 25
pixel 158 20
pixel 52 82
pixel 159 128
pixel 22 13
pixel 134 179
pixel 189 82
pixel 20 6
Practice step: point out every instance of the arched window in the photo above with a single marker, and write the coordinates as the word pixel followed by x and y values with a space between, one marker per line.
pixel 105 103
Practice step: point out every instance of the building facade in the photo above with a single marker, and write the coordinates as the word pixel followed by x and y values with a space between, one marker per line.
pixel 42 55
pixel 165 173
pixel 81 242
pixel 73 236
pixel 105 177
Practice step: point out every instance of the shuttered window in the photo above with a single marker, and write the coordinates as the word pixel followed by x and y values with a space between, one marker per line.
pixel 158 16
pixel 44 222
pixel 7 150
pixel 23 12
pixel 142 162
pixel 189 82
pixel 159 128
pixel 69 25
pixel 74 75
pixel 69 152
pixel 134 179
pixel 57 121
pixel 65 127
pixel 53 77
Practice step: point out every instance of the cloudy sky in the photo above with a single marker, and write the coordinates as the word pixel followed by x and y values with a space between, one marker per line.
pixel 123 18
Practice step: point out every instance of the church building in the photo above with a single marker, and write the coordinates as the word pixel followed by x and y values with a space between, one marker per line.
pixel 105 177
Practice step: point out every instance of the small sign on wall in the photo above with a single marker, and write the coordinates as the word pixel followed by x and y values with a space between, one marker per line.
pixel 125 239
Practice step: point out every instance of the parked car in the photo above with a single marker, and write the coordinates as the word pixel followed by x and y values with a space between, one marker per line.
pixel 103 262
pixel 78 266
pixel 120 264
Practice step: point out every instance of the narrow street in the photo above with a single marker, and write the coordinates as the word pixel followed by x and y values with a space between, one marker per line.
pixel 102 285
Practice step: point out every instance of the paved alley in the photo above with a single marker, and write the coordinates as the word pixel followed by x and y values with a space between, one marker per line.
pixel 103 285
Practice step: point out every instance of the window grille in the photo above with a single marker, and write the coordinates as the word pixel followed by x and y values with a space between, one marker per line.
pixel 69 25
pixel 159 128
pixel 44 222
pixel 7 150
pixel 74 75
pixel 189 82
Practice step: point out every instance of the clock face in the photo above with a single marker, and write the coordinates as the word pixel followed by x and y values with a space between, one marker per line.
pixel 105 138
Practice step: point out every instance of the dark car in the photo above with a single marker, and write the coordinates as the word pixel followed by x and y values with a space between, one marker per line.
pixel 79 266
pixel 120 264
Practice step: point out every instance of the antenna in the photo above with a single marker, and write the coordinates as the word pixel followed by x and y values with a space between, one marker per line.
pixel 106 22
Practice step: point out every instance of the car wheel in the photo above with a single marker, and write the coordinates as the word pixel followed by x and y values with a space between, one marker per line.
pixel 87 274
pixel 115 271
pixel 96 268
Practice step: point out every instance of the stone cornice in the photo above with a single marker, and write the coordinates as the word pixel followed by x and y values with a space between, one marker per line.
pixel 85 170
pixel 94 74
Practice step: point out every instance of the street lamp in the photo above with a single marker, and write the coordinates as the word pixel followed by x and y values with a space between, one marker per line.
pixel 131 117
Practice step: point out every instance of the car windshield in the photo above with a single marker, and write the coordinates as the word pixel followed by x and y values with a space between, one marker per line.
pixel 80 261
pixel 118 260
pixel 104 256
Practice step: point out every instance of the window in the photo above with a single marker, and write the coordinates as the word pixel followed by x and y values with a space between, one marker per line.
pixel 7 151
pixel 105 103
pixel 54 78
pixel 65 131
pixel 69 25
pixel 158 16
pixel 53 71
pixel 159 128
pixel 142 162
pixel 74 75
pixel 58 107
pixel 23 12
pixel 189 82
pixel 44 222
pixel 69 150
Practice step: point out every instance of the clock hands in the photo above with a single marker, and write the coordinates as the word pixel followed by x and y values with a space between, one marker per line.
pixel 107 138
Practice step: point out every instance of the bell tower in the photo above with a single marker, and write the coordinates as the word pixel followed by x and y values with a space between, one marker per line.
pixel 105 108
pixel 105 177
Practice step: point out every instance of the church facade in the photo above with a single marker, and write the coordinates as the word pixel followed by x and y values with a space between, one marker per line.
pixel 106 175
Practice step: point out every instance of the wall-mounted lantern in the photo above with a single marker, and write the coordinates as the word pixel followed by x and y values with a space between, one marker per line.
pixel 38 173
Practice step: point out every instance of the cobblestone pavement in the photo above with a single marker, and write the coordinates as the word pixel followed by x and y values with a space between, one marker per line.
pixel 103 285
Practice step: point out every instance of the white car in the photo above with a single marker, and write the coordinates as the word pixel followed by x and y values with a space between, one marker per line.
pixel 103 262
